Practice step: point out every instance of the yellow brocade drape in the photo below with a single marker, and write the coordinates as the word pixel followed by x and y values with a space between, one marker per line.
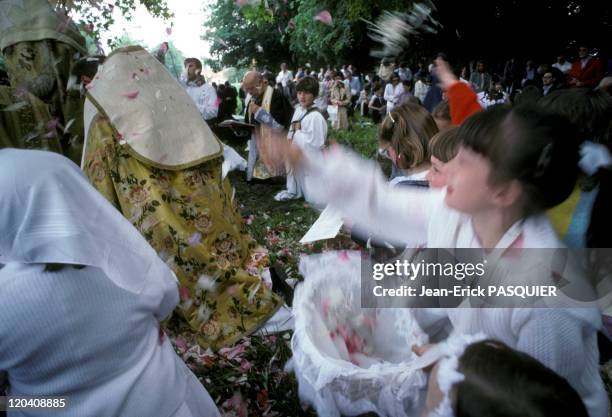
pixel 190 219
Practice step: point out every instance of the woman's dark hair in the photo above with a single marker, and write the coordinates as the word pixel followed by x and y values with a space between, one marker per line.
pixel 528 144
pixel 503 382
pixel 308 85
pixel 590 111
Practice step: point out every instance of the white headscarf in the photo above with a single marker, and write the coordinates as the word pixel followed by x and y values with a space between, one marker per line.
pixel 156 120
pixel 49 213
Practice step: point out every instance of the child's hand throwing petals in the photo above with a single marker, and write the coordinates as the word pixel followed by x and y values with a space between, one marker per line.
pixel 445 74
pixel 282 152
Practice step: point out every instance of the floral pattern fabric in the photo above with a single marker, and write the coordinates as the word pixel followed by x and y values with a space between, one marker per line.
pixel 190 219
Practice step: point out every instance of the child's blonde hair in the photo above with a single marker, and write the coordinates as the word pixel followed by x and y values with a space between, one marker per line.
pixel 445 144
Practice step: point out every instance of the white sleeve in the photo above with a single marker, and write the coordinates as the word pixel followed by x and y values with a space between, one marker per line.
pixel 399 92
pixel 209 108
pixel 388 96
pixel 313 132
pixel 356 188
pixel 162 293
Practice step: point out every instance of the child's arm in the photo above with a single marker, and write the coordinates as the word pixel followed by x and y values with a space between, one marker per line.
pixel 263 117
pixel 357 189
pixel 462 100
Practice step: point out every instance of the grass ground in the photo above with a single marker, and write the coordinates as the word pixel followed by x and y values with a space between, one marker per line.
pixel 248 379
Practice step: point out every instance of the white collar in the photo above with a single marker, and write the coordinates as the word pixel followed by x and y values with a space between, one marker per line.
pixel 419 176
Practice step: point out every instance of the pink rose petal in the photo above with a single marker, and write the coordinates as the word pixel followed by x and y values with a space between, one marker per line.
pixel 324 17
pixel 131 95
pixel 245 365
pixel 52 124
pixel 184 293
pixel 343 255
pixel 233 290
pixel 180 343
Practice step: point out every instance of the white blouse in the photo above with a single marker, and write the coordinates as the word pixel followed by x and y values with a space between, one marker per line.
pixel 75 333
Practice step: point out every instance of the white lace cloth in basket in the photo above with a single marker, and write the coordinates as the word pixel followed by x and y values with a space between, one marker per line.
pixel 390 380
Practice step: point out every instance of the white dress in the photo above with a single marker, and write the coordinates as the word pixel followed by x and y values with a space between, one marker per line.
pixel 563 339
pixel 75 333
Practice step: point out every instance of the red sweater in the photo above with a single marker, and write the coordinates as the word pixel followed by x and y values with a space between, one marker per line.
pixel 462 101
pixel 590 75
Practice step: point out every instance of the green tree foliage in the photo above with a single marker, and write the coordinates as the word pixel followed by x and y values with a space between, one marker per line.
pixel 288 31
pixel 239 35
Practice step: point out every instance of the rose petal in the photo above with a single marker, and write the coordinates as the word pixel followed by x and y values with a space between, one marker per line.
pixel 131 95
pixel 16 106
pixel 180 343
pixel 52 124
pixel 245 365
pixel 67 127
pixel 184 293
pixel 324 17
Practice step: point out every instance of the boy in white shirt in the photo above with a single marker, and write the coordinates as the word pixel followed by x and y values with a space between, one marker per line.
pixel 201 92
pixel 308 131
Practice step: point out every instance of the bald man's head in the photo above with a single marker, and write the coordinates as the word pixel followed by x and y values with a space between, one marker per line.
pixel 252 83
